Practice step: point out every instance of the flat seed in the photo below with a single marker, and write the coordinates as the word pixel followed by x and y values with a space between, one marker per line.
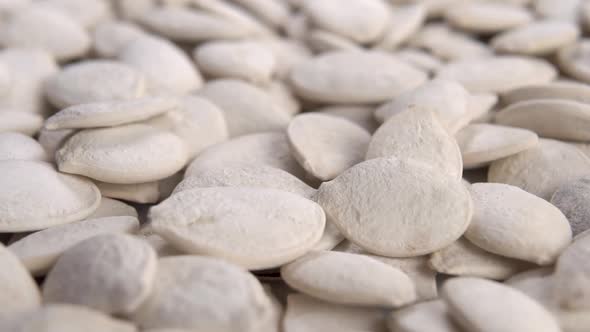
pixel 35 196
pixel 480 106
pixel 367 281
pixel 271 149
pixel 448 44
pixel 571 199
pixel 326 146
pixel 401 191
pixel 476 306
pixel 126 154
pixel 540 38
pixel 462 258
pixel 146 192
pixel 572 91
pixel 572 60
pixel 510 222
pixel 498 74
pixel 354 77
pixel 87 13
pixel 322 41
pixel 565 10
pixel 331 15
pixel 216 296
pixel 52 140
pixel 18 291
pixel 538 169
pixel 551 118
pixel 273 13
pixel 244 175
pixel 246 60
pixel 17 146
pixel 361 115
pixel 405 22
pixel 106 114
pixel 92 81
pixel 64 317
pixel 111 37
pixel 305 313
pixel 447 99
pixel 429 316
pixel 572 275
pixel 118 284
pixel 419 59
pixel 197 121
pixel 281 93
pixel 416 134
pixel 248 109
pixel 20 122
pixel 481 144
pixel 113 208
pixel 487 17
pixel 47 29
pixel 40 250
pixel 287 223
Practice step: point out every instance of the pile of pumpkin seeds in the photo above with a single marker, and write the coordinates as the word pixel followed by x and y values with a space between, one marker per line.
pixel 294 165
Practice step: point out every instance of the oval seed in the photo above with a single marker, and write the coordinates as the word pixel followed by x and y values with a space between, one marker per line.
pixel 539 170
pixel 551 118
pixel 393 222
pixel 349 279
pixel 106 114
pixel 485 306
pixel 483 143
pixel 448 44
pixel 405 22
pixel 94 80
pixel 326 146
pixel 126 154
pixel 113 208
pixel 118 283
pixel 510 222
pixel 487 17
pixel 354 77
pixel 498 74
pixel 283 228
pixel 417 134
pixel 572 60
pixel 571 199
pixel 35 196
pixel 540 38
pixel 215 296
pixel 573 91
pixel 111 37
pixel 39 251
pixel 18 290
pixel 572 287
pixel 429 316
pixel 17 146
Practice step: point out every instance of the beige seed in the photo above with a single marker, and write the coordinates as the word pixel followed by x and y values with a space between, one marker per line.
pixel 35 196
pixel 539 38
pixel 462 258
pixel 400 192
pixel 325 146
pixel 271 149
pixel 572 91
pixel 572 60
pixel 487 17
pixel 146 192
pixel 416 134
pixel 40 250
pixel 126 154
pixel 273 13
pixel 322 41
pixel 448 44
pixel 572 275
pixel 112 208
pixel 419 59
pixel 17 146
pixel 92 81
pixel 551 118
pixel 539 170
pixel 118 283
pixel 484 306
pixel 429 316
pixel 361 115
pixel 111 37
pixel 21 122
pixel 354 77
pixel 281 226
pixel 248 109
pixel 481 144
pixel 215 296
pixel 18 290
pixel 405 22
pixel 510 222
pixel 88 13
pixel 498 74
pixel 349 279
pixel 107 114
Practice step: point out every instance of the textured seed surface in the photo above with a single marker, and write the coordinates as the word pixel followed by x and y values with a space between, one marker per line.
pixel 35 196
pixel 571 199
pixel 17 146
pixel 118 283
pixel 367 282
pixel 511 222
pixel 401 191
pixel 262 228
pixel 39 251
pixel 326 146
pixel 417 134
